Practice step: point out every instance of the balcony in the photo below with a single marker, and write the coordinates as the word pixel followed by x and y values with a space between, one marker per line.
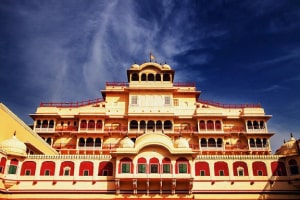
pixel 44 130
pixel 66 129
pixel 71 104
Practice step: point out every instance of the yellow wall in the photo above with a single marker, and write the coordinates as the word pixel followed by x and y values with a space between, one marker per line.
pixel 10 123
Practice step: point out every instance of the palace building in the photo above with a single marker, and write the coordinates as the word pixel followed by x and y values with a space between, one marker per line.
pixel 147 138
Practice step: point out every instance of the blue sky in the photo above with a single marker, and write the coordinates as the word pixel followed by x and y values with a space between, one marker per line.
pixel 235 51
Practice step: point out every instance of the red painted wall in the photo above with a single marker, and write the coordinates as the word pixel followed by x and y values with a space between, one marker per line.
pixel 258 165
pixel 47 165
pixel 64 164
pixel 202 166
pixel 278 167
pixel 105 166
pixel 238 164
pixel 221 166
pixel 86 166
pixel 28 165
pixel 2 164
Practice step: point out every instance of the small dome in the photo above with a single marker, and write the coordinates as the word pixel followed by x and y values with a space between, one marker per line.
pixel 135 66
pixel 181 143
pixel 289 148
pixel 166 66
pixel 126 143
pixel 13 146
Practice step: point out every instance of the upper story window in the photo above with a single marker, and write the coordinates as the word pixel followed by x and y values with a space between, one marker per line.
pixel 12 169
pixel 167 100
pixel 67 171
pixel 167 168
pixel 175 102
pixel 182 168
pixel 125 167
pixel 134 100
pixel 135 77
pixel 141 168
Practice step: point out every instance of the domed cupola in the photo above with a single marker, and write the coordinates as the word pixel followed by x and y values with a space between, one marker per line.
pixel 126 143
pixel 135 66
pixel 166 66
pixel 181 143
pixel 289 148
pixel 13 146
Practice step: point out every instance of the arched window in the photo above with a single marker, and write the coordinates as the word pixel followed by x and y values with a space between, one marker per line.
pixel 91 124
pixel 293 167
pixel 86 168
pixel 258 142
pixel 51 124
pixel 99 124
pixel 142 165
pixel 38 124
pixel 202 125
pixel 219 142
pixel 83 124
pixel 158 125
pixel 252 142
pixel 12 168
pixel 90 142
pixel 262 125
pixel 134 77
pixel 167 125
pixel 154 165
pixel 166 166
pixel 249 125
pixel 150 77
pixel 157 77
pixel 47 168
pixel 211 142
pixel 182 166
pixel 166 77
pixel 98 142
pixel 151 125
pixel 221 168
pixel 125 166
pixel 81 142
pixel 203 142
pixel 202 169
pixel 210 125
pixel 240 168
pixel 28 168
pixel 133 124
pixel 144 78
pixel 218 125
pixel 105 169
pixel 259 168
pixel 255 125
pixel 265 142
pixel 45 124
pixel 278 168
pixel 66 168
pixel 142 125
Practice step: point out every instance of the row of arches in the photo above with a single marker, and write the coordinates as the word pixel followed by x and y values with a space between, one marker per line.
pixel 91 124
pixel 210 125
pixel 154 165
pixel 211 142
pixel 258 142
pixel 66 168
pixel 150 125
pixel 255 124
pixel 151 77
pixel 151 165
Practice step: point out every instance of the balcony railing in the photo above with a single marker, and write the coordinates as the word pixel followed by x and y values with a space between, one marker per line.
pixel 223 105
pixel 71 104
pixel 182 84
pixel 122 84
